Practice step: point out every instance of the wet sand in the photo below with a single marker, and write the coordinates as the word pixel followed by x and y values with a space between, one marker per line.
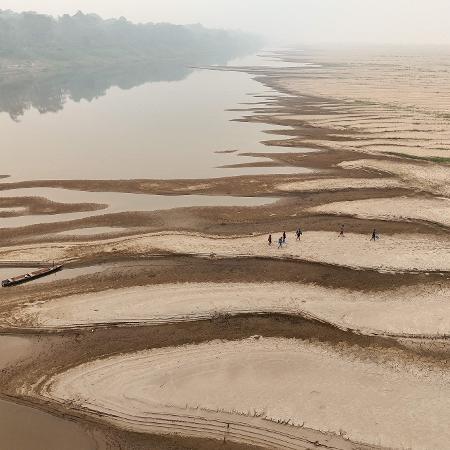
pixel 14 349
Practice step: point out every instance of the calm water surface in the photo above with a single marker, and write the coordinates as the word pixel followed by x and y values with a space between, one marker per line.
pixel 117 202
pixel 157 130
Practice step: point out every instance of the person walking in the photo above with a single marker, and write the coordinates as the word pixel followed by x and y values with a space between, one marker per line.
pixel 298 233
pixel 374 235
pixel 341 233
pixel 284 237
pixel 269 240
pixel 280 242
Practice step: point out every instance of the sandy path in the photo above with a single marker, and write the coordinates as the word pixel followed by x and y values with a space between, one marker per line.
pixel 337 184
pixel 275 379
pixel 432 178
pixel 403 311
pixel 400 208
pixel 392 253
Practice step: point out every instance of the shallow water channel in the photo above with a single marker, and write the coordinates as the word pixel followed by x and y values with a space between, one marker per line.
pixel 116 203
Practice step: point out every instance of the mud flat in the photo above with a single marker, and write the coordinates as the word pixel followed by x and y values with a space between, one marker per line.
pixel 418 312
pixel 14 350
pixel 140 390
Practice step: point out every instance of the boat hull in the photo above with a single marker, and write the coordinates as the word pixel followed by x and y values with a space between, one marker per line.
pixel 31 276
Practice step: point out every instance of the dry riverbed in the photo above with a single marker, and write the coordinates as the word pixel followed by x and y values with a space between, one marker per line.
pixel 174 324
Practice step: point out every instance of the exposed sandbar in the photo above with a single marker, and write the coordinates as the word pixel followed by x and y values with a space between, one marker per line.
pixel 338 184
pixel 431 178
pixel 406 252
pixel 274 379
pixel 435 210
pixel 422 312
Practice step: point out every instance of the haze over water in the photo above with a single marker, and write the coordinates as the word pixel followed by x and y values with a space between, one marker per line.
pixel 162 129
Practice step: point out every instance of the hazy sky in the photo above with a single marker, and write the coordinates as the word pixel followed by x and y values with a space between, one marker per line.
pixel 294 21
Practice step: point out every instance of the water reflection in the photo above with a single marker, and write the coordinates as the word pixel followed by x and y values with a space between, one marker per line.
pixel 49 93
pixel 159 130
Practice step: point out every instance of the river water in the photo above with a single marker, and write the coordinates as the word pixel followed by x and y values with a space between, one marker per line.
pixel 156 130
pixel 177 124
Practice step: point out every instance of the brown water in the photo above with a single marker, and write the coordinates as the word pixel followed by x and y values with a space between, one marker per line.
pixel 25 428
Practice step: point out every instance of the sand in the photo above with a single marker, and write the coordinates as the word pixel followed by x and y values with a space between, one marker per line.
pixel 337 184
pixel 418 312
pixel 392 253
pixel 436 210
pixel 92 231
pixel 419 152
pixel 416 79
pixel 431 178
pixel 12 211
pixel 273 379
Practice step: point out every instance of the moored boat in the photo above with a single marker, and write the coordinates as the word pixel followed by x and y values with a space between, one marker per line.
pixel 31 276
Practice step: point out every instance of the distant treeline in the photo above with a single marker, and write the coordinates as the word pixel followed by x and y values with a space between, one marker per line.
pixel 88 39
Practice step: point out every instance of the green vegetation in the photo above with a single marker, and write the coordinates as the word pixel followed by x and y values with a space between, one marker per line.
pixel 32 40
pixel 44 61
pixel 436 159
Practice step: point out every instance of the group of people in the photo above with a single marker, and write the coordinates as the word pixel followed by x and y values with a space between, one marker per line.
pixel 282 238
pixel 299 233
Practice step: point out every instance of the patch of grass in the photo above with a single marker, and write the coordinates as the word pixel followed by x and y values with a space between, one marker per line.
pixel 436 159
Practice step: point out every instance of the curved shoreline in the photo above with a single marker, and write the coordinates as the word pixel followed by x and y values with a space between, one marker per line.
pixel 110 391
